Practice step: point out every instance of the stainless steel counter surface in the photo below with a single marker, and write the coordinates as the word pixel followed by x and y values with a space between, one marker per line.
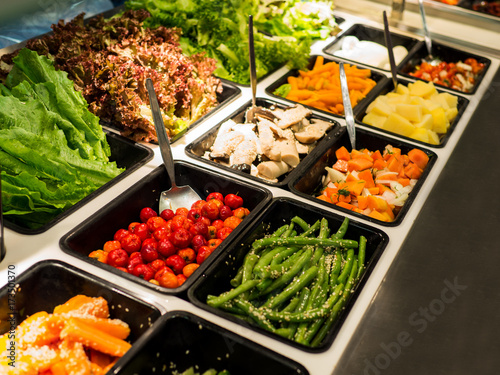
pixel 437 310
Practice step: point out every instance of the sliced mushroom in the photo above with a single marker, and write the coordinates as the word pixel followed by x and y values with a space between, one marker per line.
pixel 272 169
pixel 313 132
pixel 293 115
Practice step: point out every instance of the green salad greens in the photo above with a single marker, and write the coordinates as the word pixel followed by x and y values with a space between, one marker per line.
pixel 53 151
pixel 220 28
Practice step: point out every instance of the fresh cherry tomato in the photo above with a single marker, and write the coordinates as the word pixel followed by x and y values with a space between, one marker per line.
pixel 225 212
pixel 211 210
pixel 120 233
pixel 143 271
pixel 176 263
pixel 234 201
pixel 149 250
pixel 131 243
pixel 198 241
pixel 205 220
pixel 199 228
pixel 241 212
pixel 168 280
pixel 156 222
pixel 215 195
pixel 188 254
pixel 183 211
pixel 141 229
pixel 203 254
pixel 181 279
pixel 161 271
pixel 232 222
pixel 198 204
pixel 212 232
pixel 181 238
pixel 194 214
pixel 167 214
pixel 111 245
pixel 146 213
pixel 118 258
pixel 134 260
pixel 180 221
pixel 223 233
pixel 161 233
pixel 100 255
pixel 218 224
pixel 213 243
pixel 157 264
pixel 189 269
pixel 166 248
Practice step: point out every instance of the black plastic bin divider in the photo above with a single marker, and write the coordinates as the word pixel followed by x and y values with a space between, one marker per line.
pixel 372 34
pixel 198 147
pixel 216 279
pixel 309 184
pixel 181 340
pixel 378 77
pixel 126 153
pixel 50 283
pixel 446 54
pixel 91 234
pixel 389 87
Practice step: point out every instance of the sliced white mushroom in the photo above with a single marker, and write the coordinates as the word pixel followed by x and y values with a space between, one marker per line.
pixel 272 169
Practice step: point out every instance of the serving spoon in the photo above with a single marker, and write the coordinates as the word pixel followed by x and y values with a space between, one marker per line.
pixel 254 111
pixel 388 42
pixel 349 117
pixel 427 35
pixel 177 196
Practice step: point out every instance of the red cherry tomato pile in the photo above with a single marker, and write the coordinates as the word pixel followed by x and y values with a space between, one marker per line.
pixel 166 249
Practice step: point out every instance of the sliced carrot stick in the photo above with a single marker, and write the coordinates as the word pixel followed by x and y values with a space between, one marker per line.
pixel 96 306
pixel 94 338
pixel 114 327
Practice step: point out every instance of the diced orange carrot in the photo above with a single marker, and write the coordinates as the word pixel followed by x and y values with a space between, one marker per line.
pixel 100 359
pixel 328 191
pixel 382 188
pixel 395 163
pixel 377 215
pixel 324 198
pixel 360 154
pixel 113 327
pixel 97 306
pixel 340 165
pixel 379 164
pixel 346 205
pixel 359 164
pixel 92 337
pixel 340 198
pixel 413 171
pixel 419 157
pixel 377 204
pixel 404 181
pixel 367 176
pixel 406 159
pixel 386 177
pixel 377 155
pixel 356 187
pixel 374 190
pixel 343 154
pixel 362 202
pixel 390 213
pixel 350 177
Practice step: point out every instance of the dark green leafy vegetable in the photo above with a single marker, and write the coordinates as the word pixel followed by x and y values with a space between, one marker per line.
pixel 53 152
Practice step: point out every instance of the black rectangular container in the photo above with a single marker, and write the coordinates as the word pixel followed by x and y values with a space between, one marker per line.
pixel 217 278
pixel 198 147
pixel 389 87
pixel 180 340
pixel 372 34
pixel 309 184
pixel 126 153
pixel 49 283
pixel 124 209
pixel 379 78
pixel 446 54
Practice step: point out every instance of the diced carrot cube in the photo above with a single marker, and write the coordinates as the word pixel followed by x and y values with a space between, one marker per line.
pixel 377 215
pixel 346 205
pixel 350 177
pixel 413 171
pixel 340 165
pixel 404 181
pixel 379 164
pixel 376 203
pixel 356 187
pixel 359 164
pixel 362 202
pixel 355 154
pixel 377 155
pixel 343 154
pixel 368 177
pixel 395 163
pixel 419 157
pixel 374 190
pixel 329 191
pixel 324 198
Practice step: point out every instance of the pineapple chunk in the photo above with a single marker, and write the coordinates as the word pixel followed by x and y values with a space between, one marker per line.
pixel 420 134
pixel 403 90
pixel 451 114
pixel 441 122
pixel 427 122
pixel 398 124
pixel 374 119
pixel 410 112
pixel 433 137
pixel 381 108
pixel 422 89
pixel 452 100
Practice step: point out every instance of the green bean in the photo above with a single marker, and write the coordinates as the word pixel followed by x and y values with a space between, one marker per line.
pixel 323 331
pixel 264 283
pixel 313 228
pixel 361 255
pixel 342 229
pixel 298 240
pixel 284 332
pixel 347 267
pixel 216 301
pixel 236 280
pixel 304 297
pixel 286 264
pixel 284 254
pixel 280 230
pixel 248 266
pixel 300 222
pixel 261 268
pixel 324 230
pixel 292 289
pixel 292 305
pixel 312 327
pixel 255 314
pixel 305 316
pixel 289 230
pixel 337 265
pixel 290 274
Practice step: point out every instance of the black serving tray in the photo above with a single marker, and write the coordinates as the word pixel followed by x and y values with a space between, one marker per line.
pixel 389 87
pixel 124 209
pixel 180 340
pixel 198 147
pixel 447 54
pixel 49 283
pixel 126 153
pixel 217 277
pixel 379 78
pixel 309 184
pixel 372 34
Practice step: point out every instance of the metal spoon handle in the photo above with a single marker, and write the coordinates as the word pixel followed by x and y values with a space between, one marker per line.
pixel 427 35
pixel 161 133
pixel 388 43
pixel 251 54
pixel 349 117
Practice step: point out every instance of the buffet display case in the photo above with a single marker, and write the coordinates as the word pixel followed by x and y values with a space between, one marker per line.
pixel 427 301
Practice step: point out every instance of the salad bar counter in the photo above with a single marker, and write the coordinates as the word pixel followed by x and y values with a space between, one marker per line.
pixel 306 254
